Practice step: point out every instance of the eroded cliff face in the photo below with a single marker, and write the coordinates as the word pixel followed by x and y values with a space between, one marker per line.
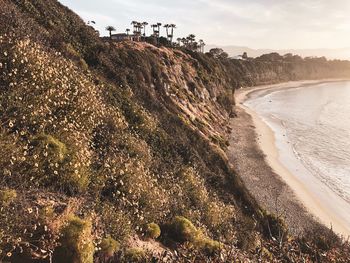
pixel 177 81
pixel 101 143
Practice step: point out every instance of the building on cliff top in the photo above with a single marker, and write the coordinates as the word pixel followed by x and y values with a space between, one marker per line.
pixel 125 37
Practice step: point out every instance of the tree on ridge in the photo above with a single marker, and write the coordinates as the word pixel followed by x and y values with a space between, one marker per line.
pixel 144 24
pixel 159 25
pixel 110 29
pixel 166 26
pixel 201 45
pixel 134 27
pixel 172 26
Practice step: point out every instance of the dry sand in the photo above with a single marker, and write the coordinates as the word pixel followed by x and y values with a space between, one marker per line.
pixel 254 153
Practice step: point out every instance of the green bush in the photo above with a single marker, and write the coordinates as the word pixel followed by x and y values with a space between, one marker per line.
pixel 208 245
pixel 57 150
pixel 7 196
pixel 77 182
pixel 183 230
pixel 76 242
pixel 153 230
pixel 109 246
pixel 134 255
pixel 70 51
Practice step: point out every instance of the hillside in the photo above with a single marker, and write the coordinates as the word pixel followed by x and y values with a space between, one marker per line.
pixel 116 151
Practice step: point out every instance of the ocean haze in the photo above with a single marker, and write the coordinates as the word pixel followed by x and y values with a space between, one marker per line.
pixel 339 53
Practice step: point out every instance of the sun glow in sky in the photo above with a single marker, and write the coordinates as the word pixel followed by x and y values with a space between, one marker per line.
pixel 275 24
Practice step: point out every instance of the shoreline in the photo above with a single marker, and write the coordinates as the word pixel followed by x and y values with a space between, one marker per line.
pixel 266 141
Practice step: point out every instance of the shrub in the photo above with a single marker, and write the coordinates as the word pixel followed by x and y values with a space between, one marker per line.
pixel 116 222
pixel 7 196
pixel 323 237
pixel 109 246
pixel 274 226
pixel 209 246
pixel 134 255
pixel 76 242
pixel 183 230
pixel 266 254
pixel 153 230
pixel 76 182
pixel 57 150
pixel 70 51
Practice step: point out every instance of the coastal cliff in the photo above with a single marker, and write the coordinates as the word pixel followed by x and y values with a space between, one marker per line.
pixel 117 151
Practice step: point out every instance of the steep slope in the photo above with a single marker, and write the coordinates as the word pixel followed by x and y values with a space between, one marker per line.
pixel 99 140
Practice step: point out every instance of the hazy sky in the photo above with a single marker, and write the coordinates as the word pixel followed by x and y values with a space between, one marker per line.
pixel 276 24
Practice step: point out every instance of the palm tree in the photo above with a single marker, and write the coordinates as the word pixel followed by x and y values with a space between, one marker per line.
pixel 184 42
pixel 157 32
pixel 172 26
pixel 154 26
pixel 139 28
pixel 134 26
pixel 167 31
pixel 159 25
pixel 166 26
pixel 195 46
pixel 144 24
pixel 190 42
pixel 110 29
pixel 201 45
pixel 191 38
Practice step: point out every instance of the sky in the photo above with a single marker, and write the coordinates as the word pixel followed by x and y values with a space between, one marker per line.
pixel 274 24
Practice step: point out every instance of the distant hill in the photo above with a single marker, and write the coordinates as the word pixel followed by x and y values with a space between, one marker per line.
pixel 341 53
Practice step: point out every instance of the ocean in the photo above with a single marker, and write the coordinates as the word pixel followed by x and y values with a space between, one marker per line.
pixel 313 122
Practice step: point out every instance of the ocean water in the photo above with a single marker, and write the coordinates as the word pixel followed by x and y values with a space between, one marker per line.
pixel 314 121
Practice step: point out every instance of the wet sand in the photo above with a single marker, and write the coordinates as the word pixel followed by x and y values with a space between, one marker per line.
pixel 255 156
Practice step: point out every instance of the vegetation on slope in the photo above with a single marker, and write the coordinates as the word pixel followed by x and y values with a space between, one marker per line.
pixel 102 142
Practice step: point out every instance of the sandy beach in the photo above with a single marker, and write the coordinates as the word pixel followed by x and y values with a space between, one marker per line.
pixel 254 153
